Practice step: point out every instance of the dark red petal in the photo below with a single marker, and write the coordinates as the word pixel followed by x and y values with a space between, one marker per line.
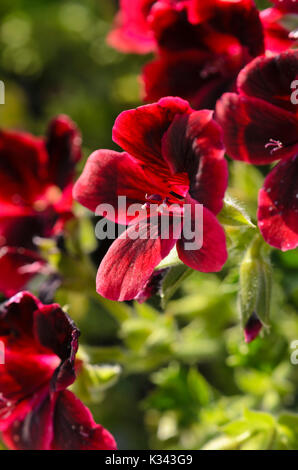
pixel 64 148
pixel 58 333
pixel 153 286
pixel 289 6
pixel 19 230
pixel 270 79
pixel 249 124
pixel 108 175
pixel 17 268
pixel 17 313
pixel 193 74
pixel 252 328
pixel 139 131
pixel 28 365
pixel 131 32
pixel 129 264
pixel 278 206
pixel 75 428
pixel 34 430
pixel 199 11
pixel 241 19
pixel 193 144
pixel 276 35
pixel 212 255
pixel 23 161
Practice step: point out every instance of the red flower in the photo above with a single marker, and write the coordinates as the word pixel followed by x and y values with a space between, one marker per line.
pixel 36 410
pixel 260 126
pixel 288 6
pixel 132 32
pixel 280 25
pixel 201 46
pixel 175 155
pixel 36 180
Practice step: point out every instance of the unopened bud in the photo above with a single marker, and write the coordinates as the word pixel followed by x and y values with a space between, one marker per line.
pixel 255 289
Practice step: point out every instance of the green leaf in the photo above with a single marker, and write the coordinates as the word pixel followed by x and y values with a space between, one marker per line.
pixel 93 380
pixel 173 280
pixel 233 214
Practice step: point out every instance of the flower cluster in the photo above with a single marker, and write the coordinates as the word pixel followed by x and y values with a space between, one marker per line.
pixel 36 409
pixel 200 46
pixel 36 181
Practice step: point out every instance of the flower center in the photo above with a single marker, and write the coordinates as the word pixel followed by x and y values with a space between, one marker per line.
pixel 163 202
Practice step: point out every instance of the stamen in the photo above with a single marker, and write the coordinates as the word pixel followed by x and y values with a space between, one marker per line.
pixel 275 144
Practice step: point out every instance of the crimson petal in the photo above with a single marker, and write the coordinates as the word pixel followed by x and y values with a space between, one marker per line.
pixel 129 263
pixel 58 333
pixel 270 79
pixel 278 206
pixel 23 160
pixel 131 32
pixel 75 429
pixel 108 175
pixel 34 430
pixel 64 149
pixel 212 255
pixel 249 124
pixel 139 131
pixel 193 144
pixel 17 267
pixel 163 77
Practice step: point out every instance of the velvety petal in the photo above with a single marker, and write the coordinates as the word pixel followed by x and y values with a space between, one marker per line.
pixel 20 378
pixel 64 149
pixel 20 230
pixel 276 35
pixel 199 11
pixel 212 254
pixel 289 6
pixel 75 428
pixel 139 131
pixel 34 431
pixel 153 286
pixel 58 333
pixel 131 32
pixel 23 161
pixel 17 313
pixel 193 74
pixel 129 263
pixel 193 144
pixel 108 175
pixel 278 206
pixel 171 28
pixel 270 79
pixel 17 268
pixel 249 124
pixel 241 19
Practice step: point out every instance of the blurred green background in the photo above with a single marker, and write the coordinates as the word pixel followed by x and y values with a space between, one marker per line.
pixel 179 378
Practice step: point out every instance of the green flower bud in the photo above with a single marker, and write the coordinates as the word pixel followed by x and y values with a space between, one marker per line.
pixel 255 289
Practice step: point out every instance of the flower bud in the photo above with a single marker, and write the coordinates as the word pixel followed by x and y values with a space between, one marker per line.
pixel 255 289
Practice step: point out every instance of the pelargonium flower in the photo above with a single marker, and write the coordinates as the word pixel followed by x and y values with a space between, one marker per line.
pixel 173 155
pixel 288 6
pixel 132 32
pixel 280 25
pixel 201 46
pixel 260 126
pixel 36 180
pixel 37 412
